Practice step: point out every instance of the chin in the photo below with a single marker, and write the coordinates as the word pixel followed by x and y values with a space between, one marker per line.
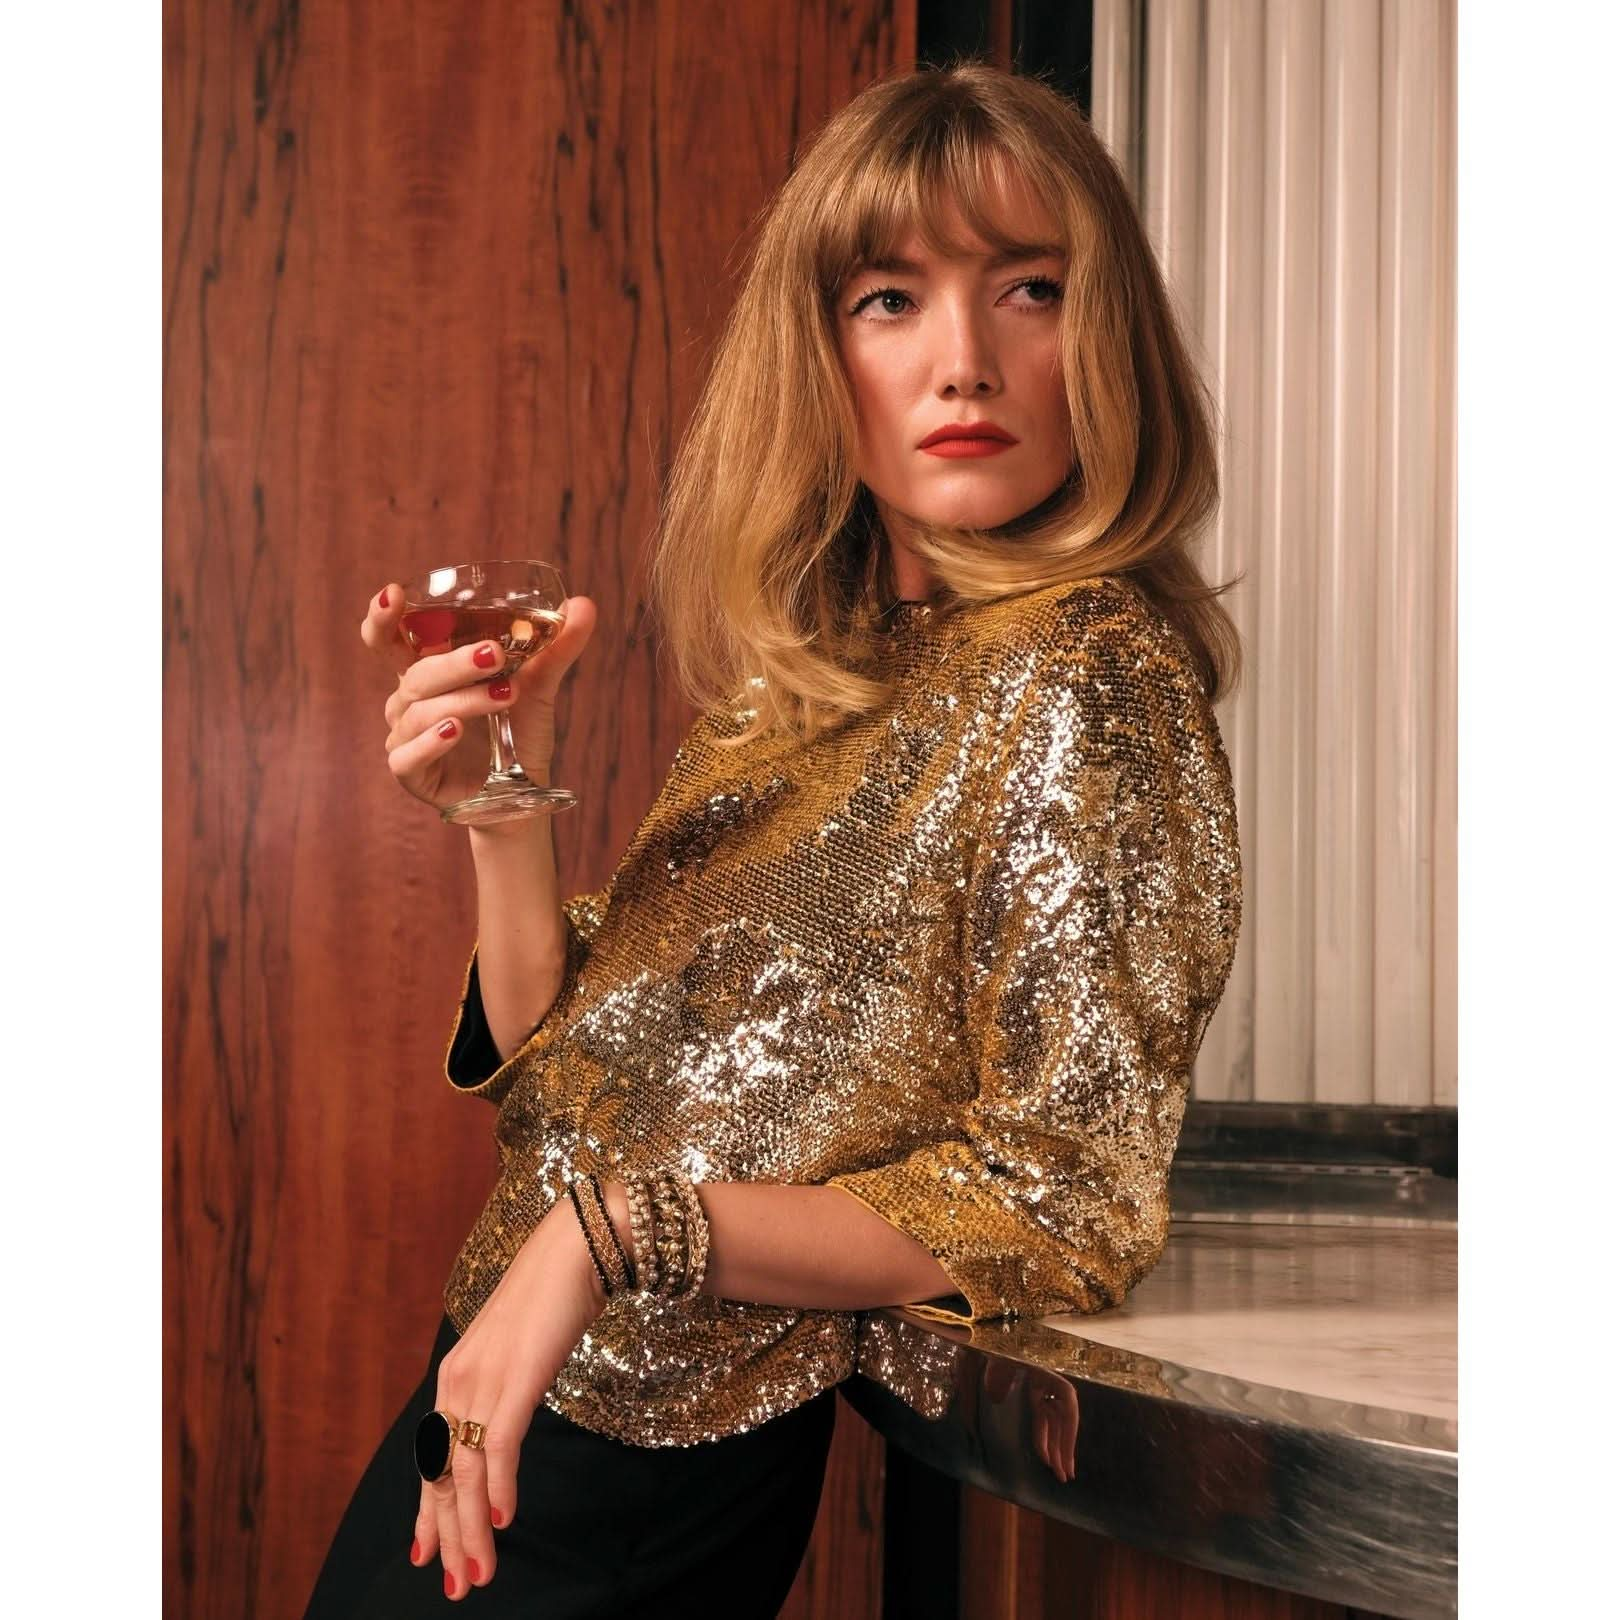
pixel 979 514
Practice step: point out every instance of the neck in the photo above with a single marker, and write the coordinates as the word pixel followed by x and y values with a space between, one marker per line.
pixel 912 580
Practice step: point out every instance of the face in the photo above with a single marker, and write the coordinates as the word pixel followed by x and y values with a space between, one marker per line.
pixel 931 342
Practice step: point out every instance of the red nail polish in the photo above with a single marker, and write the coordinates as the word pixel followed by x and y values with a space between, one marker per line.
pixel 472 1569
pixel 382 599
pixel 486 658
pixel 496 1517
pixel 449 1584
pixel 500 690
pixel 447 728
pixel 416 1549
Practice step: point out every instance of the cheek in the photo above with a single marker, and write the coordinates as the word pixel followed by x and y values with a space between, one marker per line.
pixel 875 405
pixel 1049 389
pixel 1052 379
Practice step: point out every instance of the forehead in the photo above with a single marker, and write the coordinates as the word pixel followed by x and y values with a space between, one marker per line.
pixel 994 215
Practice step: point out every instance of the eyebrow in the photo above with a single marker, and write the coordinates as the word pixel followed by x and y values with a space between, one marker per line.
pixel 993 261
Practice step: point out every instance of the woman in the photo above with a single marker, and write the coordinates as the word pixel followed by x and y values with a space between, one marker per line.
pixel 894 994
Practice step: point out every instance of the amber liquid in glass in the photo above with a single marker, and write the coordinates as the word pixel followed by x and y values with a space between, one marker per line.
pixel 521 632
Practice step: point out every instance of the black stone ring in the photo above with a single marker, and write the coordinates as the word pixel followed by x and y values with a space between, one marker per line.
pixel 436 1437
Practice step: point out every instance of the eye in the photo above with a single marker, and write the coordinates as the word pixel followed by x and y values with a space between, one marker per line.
pixel 884 293
pixel 1044 284
pixel 1050 289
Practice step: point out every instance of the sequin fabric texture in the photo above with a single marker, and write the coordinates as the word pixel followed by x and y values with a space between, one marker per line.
pixel 955 957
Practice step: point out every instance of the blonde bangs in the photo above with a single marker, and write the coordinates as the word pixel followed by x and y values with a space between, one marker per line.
pixel 903 186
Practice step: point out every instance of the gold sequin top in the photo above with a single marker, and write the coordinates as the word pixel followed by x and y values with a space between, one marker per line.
pixel 955 957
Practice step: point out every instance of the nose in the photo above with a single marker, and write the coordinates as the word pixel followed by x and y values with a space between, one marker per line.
pixel 968 363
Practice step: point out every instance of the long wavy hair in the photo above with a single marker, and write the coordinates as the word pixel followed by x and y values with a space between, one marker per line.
pixel 769 570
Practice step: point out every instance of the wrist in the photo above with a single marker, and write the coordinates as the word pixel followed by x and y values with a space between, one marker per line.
pixel 560 1230
pixel 520 830
pixel 570 1239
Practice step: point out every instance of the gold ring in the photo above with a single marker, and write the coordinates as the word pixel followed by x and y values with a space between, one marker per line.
pixel 436 1436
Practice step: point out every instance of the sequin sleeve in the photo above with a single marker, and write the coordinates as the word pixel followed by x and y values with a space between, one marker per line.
pixel 472 1061
pixel 1100 921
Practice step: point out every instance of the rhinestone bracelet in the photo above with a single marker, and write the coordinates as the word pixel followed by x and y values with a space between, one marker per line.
pixel 669 1234
pixel 641 1233
pixel 624 1270
pixel 697 1227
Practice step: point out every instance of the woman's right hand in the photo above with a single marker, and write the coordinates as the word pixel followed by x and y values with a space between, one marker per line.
pixel 451 690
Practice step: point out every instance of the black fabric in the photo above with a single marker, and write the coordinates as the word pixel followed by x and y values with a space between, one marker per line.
pixel 474 1056
pixel 603 1529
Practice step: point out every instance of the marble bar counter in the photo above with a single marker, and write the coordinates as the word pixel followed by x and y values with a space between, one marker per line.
pixel 1276 1402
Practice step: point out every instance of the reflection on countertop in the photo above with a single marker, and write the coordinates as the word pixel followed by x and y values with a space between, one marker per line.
pixel 1363 1316
pixel 1276 1401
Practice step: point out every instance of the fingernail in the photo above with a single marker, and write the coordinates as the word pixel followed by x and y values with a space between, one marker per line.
pixel 496 1517
pixel 382 599
pixel 449 1584
pixel 472 1569
pixel 486 657
pixel 447 729
pixel 416 1549
pixel 500 690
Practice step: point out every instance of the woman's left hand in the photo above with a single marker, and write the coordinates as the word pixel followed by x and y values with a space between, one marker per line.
pixel 497 1373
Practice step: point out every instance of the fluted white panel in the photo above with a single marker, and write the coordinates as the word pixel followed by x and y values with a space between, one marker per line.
pixel 1347 586
pixel 1403 1002
pixel 1173 156
pixel 1282 828
pixel 1116 60
pixel 1294 162
pixel 1229 331
pixel 1443 1083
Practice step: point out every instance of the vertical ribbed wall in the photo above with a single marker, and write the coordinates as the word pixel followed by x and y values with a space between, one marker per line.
pixel 1295 164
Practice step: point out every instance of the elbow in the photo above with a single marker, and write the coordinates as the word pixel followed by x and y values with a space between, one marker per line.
pixel 1102 1275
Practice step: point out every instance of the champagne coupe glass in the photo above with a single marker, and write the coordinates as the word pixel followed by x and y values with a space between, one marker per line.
pixel 519 604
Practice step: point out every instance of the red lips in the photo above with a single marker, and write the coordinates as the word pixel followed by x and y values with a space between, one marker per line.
pixel 967 430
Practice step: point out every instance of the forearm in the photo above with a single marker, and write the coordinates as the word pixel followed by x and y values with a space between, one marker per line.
pixel 814 1247
pixel 522 937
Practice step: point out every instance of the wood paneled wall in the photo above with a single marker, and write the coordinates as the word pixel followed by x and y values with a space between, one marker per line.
pixel 440 280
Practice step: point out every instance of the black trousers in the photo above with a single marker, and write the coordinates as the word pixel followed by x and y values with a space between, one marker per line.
pixel 603 1529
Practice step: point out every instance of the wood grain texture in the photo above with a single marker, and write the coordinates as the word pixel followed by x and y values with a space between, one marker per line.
pixel 440 280
pixel 841 1577
pixel 1020 1565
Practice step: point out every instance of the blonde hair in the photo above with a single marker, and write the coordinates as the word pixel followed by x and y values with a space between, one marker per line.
pixel 769 570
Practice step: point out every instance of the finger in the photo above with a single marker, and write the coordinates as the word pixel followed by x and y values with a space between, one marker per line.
pixel 415 756
pixel 1054 1440
pixel 380 627
pixel 472 1512
pixel 501 1459
pixel 427 1527
pixel 1043 1437
pixel 449 1523
pixel 1000 1379
pixel 467 704
pixel 543 673
pixel 1069 1435
pixel 436 673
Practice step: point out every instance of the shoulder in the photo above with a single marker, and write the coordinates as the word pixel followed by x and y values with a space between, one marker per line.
pixel 1089 674
pixel 1061 618
pixel 1104 628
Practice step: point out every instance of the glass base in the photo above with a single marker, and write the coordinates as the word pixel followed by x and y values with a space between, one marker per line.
pixel 503 803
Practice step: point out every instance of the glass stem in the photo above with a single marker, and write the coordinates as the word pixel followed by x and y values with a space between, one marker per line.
pixel 503 760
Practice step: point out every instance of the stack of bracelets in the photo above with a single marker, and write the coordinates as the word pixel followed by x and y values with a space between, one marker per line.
pixel 668 1232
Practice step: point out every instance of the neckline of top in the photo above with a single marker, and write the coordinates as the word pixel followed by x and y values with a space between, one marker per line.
pixel 907 607
pixel 905 621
